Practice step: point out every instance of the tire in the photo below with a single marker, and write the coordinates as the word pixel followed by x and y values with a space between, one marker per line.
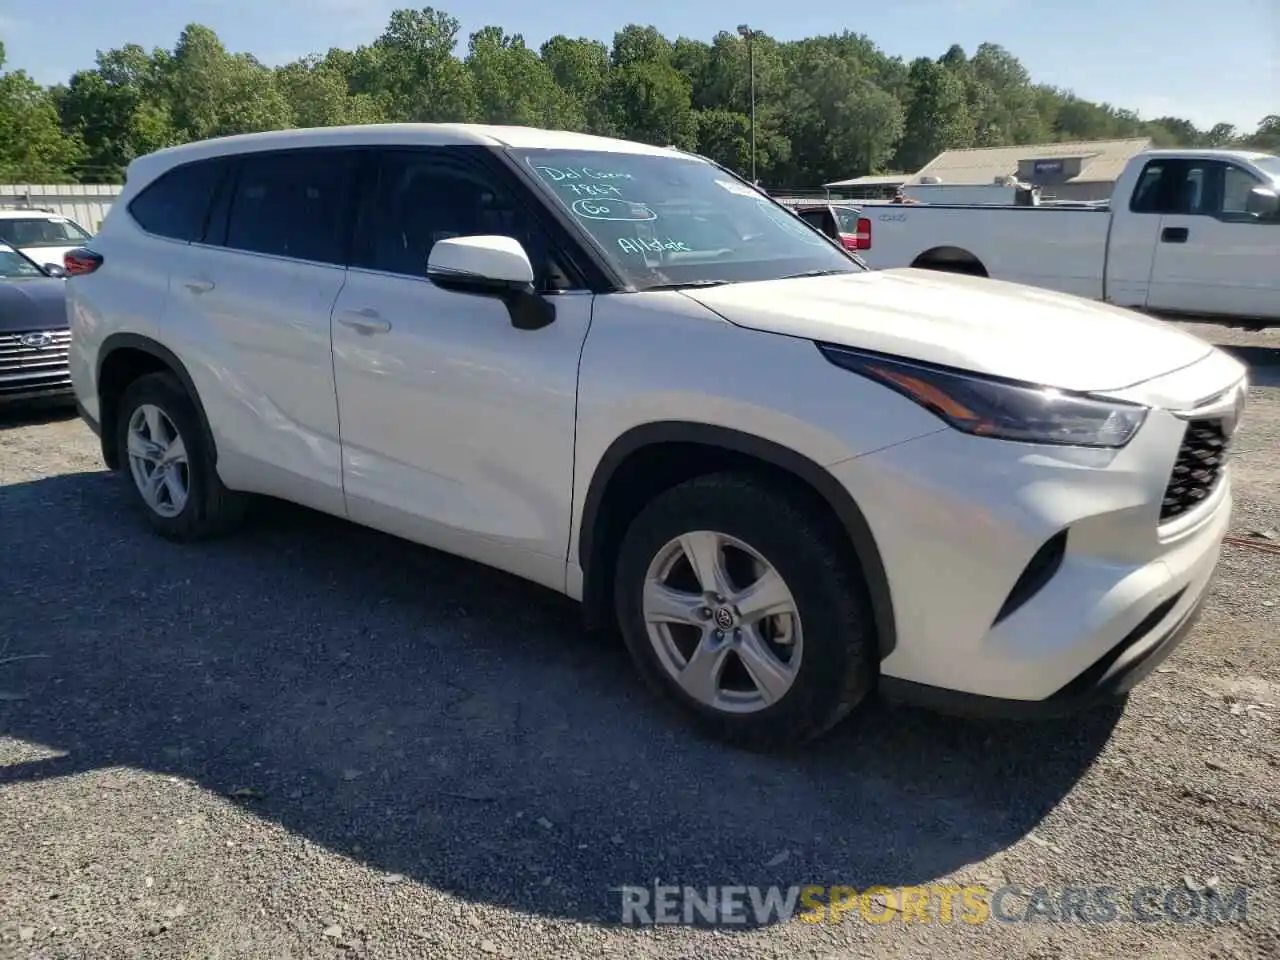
pixel 209 509
pixel 832 627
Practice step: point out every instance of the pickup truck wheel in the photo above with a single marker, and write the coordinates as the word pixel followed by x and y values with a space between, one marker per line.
pixel 740 607
pixel 171 463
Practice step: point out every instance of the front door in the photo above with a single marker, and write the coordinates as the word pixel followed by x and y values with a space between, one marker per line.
pixel 1212 256
pixel 1130 248
pixel 457 428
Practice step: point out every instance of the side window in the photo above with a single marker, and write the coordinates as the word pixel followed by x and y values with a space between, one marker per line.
pixel 293 204
pixel 820 219
pixel 176 204
pixel 1236 184
pixel 1193 194
pixel 1157 187
pixel 420 197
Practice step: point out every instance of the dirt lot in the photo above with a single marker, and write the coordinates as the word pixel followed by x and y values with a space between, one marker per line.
pixel 312 740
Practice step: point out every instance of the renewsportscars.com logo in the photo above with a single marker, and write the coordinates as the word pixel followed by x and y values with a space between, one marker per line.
pixel 975 904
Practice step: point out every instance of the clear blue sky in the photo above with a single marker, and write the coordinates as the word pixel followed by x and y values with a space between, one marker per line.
pixel 1206 61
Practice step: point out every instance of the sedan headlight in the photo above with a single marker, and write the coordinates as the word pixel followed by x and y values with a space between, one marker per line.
pixel 999 408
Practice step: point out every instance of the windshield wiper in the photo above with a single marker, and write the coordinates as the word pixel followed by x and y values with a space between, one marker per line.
pixel 815 273
pixel 687 284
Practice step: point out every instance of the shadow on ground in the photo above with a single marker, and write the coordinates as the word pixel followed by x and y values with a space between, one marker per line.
pixel 456 724
pixel 30 414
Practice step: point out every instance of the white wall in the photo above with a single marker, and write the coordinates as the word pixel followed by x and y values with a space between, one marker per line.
pixel 86 204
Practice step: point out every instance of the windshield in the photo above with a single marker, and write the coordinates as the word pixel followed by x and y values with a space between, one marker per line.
pixel 848 218
pixel 41 232
pixel 668 221
pixel 1269 165
pixel 14 266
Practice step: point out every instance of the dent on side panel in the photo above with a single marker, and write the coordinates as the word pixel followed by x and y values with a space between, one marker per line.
pixel 259 350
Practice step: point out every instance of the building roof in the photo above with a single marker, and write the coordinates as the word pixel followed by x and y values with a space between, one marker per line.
pixel 887 180
pixel 1106 159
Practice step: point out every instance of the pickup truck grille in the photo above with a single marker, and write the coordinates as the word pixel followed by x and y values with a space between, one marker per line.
pixel 1196 472
pixel 28 369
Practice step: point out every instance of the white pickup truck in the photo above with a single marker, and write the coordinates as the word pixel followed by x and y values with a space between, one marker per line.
pixel 1188 233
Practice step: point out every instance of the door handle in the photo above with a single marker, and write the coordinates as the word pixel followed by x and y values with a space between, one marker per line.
pixel 198 286
pixel 1174 235
pixel 365 321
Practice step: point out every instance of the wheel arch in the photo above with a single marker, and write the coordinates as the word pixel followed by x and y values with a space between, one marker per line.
pixel 666 453
pixel 122 359
pixel 951 259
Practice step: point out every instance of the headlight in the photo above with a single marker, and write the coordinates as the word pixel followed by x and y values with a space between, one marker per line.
pixel 995 407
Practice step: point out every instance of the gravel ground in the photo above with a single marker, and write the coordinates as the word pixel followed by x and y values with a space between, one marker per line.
pixel 312 740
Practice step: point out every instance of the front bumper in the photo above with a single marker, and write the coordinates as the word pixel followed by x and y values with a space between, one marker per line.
pixel 1109 679
pixel 960 522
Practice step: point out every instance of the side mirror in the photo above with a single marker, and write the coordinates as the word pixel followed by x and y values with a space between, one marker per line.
pixel 493 262
pixel 54 270
pixel 495 266
pixel 1264 202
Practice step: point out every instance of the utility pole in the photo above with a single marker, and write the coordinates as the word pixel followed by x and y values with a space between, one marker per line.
pixel 748 35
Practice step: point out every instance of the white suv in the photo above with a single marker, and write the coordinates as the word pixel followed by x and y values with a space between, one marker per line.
pixel 624 373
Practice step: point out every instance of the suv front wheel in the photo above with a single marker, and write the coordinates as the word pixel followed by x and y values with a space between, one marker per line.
pixel 740 606
pixel 171 463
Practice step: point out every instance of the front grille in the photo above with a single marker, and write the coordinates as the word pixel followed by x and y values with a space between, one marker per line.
pixel 1201 460
pixel 26 369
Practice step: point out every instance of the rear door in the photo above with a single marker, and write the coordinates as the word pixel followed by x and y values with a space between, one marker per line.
pixel 1212 257
pixel 252 300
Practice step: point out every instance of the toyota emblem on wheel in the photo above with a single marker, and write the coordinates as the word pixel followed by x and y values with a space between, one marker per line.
pixel 38 339
pixel 724 618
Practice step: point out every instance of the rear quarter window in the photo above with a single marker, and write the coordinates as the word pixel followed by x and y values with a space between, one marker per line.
pixel 177 204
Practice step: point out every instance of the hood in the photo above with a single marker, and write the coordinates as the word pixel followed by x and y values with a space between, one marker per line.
pixel 38 304
pixel 974 324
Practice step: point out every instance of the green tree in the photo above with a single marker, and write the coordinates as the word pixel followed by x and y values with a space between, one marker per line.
pixel 214 93
pixel 1267 136
pixel 650 102
pixel 937 115
pixel 636 44
pixel 317 92
pixel 513 84
pixel 412 68
pixel 826 107
pixel 581 69
pixel 33 147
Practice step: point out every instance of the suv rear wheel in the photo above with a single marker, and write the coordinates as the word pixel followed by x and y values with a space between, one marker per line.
pixel 739 605
pixel 171 463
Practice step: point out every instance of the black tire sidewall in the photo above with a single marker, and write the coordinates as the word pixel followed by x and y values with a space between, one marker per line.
pixel 836 668
pixel 166 393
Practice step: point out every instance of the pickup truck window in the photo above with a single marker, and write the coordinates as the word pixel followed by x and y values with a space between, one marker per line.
pixel 1270 166
pixel 1194 187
